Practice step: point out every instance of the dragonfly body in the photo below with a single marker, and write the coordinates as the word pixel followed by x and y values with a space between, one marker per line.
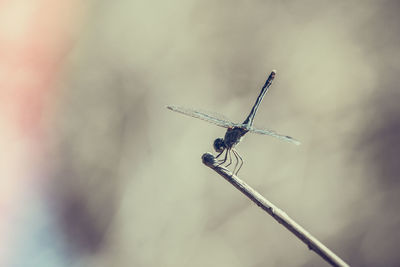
pixel 235 131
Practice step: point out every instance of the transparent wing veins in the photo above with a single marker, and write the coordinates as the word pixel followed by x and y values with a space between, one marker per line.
pixel 275 134
pixel 202 115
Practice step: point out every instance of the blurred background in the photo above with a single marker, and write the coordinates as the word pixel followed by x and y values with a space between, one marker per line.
pixel 95 171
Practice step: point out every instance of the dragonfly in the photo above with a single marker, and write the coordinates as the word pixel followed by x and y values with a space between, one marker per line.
pixel 235 131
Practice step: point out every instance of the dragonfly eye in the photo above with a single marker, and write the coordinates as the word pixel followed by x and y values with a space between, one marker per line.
pixel 219 145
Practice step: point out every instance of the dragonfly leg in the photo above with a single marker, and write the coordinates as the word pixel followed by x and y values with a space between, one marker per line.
pixel 220 161
pixel 239 159
pixel 225 158
pixel 220 154
pixel 230 158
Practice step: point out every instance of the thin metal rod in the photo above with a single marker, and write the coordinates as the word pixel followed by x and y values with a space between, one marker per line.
pixel 249 120
pixel 276 213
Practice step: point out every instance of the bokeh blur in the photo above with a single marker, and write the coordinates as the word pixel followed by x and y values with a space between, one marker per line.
pixel 95 171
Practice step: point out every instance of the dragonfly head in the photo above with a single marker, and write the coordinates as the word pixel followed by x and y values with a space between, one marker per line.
pixel 219 145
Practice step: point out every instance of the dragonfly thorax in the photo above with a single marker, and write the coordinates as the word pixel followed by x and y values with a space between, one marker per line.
pixel 232 138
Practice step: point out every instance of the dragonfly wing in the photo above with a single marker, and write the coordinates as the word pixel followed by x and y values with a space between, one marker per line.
pixel 206 116
pixel 276 135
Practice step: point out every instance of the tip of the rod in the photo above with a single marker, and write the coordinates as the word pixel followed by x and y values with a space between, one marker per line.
pixel 208 159
pixel 273 71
